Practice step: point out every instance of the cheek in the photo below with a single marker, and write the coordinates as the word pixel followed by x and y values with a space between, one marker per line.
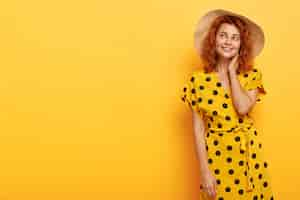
pixel 218 42
pixel 238 45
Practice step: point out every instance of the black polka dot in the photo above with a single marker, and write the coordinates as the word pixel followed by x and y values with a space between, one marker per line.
pixel 217 171
pixel 240 120
pixel 237 138
pixel 218 153
pixel 193 102
pixel 265 184
pixel 241 191
pixel 254 155
pixel 210 161
pixel 260 176
pixel 219 84
pixel 227 189
pixel 230 171
pixel 227 117
pixel 218 181
pixel 210 101
pixel 242 151
pixel 215 112
pixel 241 163
pixel 259 145
pixel 229 147
pixel 201 87
pixel 219 125
pixel 255 197
pixel 256 166
pixel 251 142
pixel 261 196
pixel 220 198
pixel 208 79
pixel 193 90
pixel 192 79
pixel 215 92
pixel 236 181
pixel 226 96
pixel 265 164
pixel 216 142
pixel 229 159
pixel 225 105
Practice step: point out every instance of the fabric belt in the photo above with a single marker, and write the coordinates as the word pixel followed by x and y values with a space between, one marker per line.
pixel 245 146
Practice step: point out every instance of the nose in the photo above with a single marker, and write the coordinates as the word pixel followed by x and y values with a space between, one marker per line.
pixel 228 41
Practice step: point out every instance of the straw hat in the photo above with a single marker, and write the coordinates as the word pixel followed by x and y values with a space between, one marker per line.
pixel 203 25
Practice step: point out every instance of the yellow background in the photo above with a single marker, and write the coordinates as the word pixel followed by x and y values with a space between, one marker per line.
pixel 90 108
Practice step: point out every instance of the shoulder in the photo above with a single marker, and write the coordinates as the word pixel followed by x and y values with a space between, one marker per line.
pixel 252 73
pixel 198 75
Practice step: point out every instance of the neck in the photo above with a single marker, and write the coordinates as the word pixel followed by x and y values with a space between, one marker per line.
pixel 222 65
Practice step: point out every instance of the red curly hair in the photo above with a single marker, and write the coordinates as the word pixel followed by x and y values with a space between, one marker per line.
pixel 209 56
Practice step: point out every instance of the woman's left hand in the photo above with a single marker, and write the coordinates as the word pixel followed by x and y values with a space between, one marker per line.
pixel 233 65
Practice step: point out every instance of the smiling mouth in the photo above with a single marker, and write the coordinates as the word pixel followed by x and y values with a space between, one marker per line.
pixel 227 49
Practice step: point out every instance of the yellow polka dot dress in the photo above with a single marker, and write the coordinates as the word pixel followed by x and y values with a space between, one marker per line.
pixel 233 144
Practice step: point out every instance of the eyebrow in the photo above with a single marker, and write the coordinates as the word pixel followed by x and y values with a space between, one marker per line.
pixel 233 34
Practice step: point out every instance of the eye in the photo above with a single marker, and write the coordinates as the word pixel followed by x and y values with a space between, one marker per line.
pixel 222 35
pixel 236 38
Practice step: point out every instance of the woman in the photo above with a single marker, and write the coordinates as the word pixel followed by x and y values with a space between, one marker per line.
pixel 229 147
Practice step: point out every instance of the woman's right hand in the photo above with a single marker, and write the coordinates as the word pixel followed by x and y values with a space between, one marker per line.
pixel 208 184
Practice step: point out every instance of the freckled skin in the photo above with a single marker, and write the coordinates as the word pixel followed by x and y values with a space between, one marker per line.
pixel 227 36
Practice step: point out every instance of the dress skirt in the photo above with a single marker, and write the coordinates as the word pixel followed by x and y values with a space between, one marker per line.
pixel 237 161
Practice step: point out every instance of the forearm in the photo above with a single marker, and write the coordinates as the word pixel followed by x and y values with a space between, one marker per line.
pixel 199 132
pixel 241 100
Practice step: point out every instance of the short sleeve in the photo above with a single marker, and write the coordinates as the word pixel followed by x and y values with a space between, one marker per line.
pixel 254 80
pixel 189 95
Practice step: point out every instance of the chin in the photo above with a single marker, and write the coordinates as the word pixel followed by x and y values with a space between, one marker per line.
pixel 226 56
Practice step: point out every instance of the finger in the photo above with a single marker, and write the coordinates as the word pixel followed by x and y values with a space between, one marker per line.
pixel 211 192
pixel 216 184
pixel 203 187
pixel 215 191
pixel 236 57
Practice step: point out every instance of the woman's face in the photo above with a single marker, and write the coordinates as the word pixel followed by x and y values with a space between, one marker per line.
pixel 228 41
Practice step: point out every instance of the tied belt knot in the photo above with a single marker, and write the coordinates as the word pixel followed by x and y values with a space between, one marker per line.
pixel 244 146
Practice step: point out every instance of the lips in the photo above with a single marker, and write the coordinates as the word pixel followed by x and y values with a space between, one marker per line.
pixel 227 49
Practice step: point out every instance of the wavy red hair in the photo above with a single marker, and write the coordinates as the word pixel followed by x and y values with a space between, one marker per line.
pixel 209 56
